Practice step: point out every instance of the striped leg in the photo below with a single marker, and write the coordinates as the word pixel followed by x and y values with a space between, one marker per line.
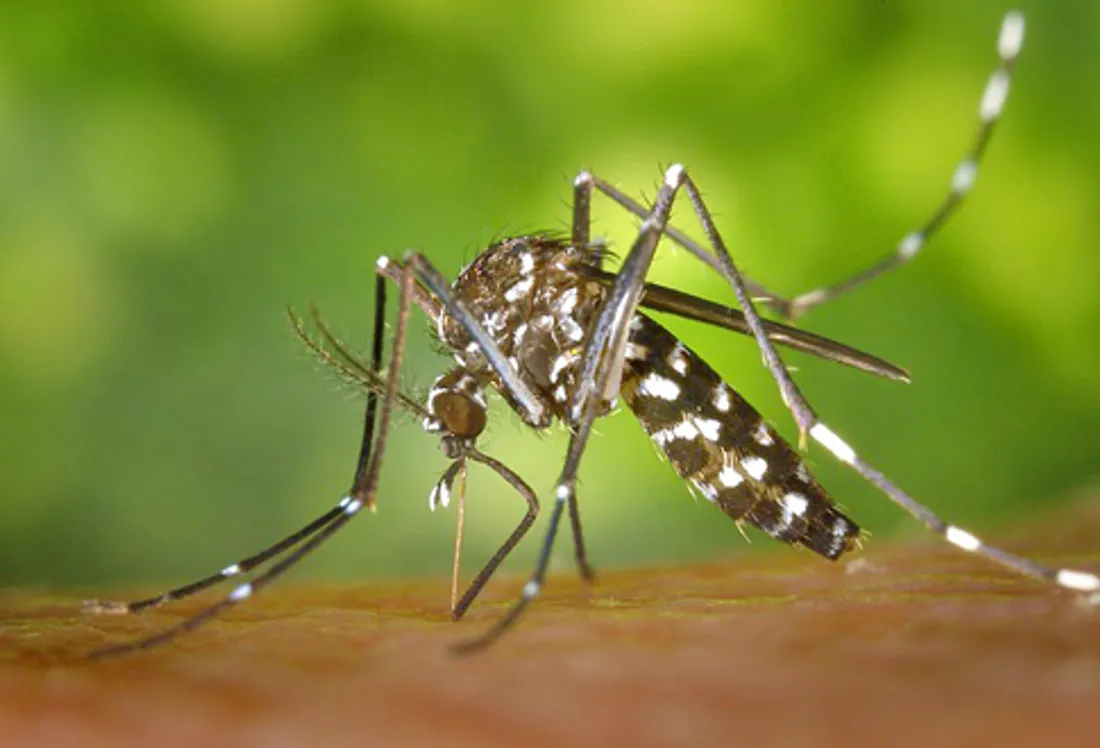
pixel 809 423
pixel 990 108
pixel 989 112
pixel 1071 579
pixel 243 566
pixel 246 565
pixel 361 493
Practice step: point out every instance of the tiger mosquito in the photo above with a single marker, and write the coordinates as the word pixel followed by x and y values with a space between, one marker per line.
pixel 537 319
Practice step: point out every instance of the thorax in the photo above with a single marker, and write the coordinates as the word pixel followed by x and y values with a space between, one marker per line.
pixel 533 302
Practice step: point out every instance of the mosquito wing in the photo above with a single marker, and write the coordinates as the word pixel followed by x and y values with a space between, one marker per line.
pixel 665 299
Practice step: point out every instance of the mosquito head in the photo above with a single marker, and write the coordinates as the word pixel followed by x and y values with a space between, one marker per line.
pixel 459 415
pixel 456 410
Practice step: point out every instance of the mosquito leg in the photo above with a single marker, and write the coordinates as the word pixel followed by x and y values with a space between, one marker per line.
pixel 581 237
pixel 241 567
pixel 458 610
pixel 989 112
pixel 601 367
pixel 345 510
pixel 679 237
pixel 245 565
pixel 361 494
pixel 378 336
pixel 354 370
pixel 584 567
pixel 809 423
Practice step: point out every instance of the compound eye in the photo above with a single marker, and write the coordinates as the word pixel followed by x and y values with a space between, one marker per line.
pixel 459 414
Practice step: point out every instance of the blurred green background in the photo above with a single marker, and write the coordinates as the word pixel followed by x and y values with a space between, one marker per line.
pixel 174 173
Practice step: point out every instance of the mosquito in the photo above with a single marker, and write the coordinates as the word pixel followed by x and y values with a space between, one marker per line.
pixel 538 320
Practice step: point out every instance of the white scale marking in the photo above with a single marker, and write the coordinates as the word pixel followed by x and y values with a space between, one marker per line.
pixel 674 175
pixel 443 494
pixel 721 398
pixel 729 477
pixel 573 331
pixel 709 428
pixel 993 99
pixel 709 492
pixel 963 179
pixel 755 466
pixel 910 244
pixel 568 302
pixel 763 435
pixel 636 352
pixel 521 331
pixel 654 385
pixel 494 322
pixel 961 538
pixel 840 449
pixel 241 593
pixel 1078 580
pixel 478 396
pixel 353 506
pixel 441 326
pixel 519 289
pixel 231 571
pixel 435 392
pixel 560 364
pixel 526 263
pixel 678 360
pixel 1012 35
pixel 685 430
pixel 543 323
pixel 840 532
pixel 796 503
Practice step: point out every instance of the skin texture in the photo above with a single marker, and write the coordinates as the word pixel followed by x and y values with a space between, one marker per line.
pixel 912 645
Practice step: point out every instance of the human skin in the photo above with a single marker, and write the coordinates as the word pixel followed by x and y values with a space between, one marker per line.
pixel 909 645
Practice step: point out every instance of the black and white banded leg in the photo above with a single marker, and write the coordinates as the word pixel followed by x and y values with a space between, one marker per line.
pixel 460 415
pixel 809 423
pixel 990 108
pixel 246 565
pixel 361 494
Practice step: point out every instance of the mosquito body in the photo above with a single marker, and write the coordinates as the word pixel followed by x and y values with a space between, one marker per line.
pixel 538 320
pixel 536 298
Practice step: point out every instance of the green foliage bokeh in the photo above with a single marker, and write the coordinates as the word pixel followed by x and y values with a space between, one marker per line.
pixel 175 173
